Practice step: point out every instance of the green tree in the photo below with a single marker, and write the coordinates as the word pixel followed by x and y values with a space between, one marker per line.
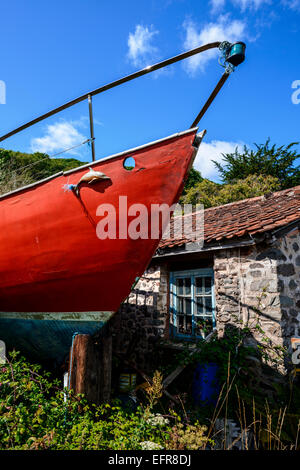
pixel 18 169
pixel 211 194
pixel 202 193
pixel 193 178
pixel 265 159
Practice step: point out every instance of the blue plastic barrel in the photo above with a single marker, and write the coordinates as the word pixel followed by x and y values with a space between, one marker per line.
pixel 206 387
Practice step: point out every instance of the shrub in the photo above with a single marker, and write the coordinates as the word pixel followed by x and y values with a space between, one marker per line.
pixel 35 413
pixel 211 194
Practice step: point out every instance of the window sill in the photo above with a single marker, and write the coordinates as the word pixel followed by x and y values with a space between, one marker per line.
pixel 180 344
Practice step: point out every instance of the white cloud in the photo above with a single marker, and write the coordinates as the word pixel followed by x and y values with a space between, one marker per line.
pixel 292 4
pixel 221 30
pixel 141 51
pixel 58 137
pixel 84 122
pixel 217 5
pixel 213 151
pixel 251 4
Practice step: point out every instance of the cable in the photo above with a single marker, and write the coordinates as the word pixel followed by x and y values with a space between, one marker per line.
pixel 51 156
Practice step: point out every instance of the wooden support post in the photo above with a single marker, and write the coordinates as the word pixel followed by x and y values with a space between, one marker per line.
pixel 85 362
pixel 91 368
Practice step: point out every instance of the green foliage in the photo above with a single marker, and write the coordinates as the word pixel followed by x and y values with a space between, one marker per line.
pixel 201 193
pixel 211 194
pixel 35 415
pixel 266 160
pixel 18 169
pixel 245 174
pixel 228 351
pixel 193 179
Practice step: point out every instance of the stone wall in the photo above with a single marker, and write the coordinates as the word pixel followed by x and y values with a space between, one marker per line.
pixel 256 286
pixel 143 318
pixel 246 291
pixel 289 283
pixel 259 287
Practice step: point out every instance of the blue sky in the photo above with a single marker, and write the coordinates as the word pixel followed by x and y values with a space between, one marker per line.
pixel 54 51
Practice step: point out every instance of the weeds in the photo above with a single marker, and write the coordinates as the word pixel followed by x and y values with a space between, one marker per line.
pixel 34 415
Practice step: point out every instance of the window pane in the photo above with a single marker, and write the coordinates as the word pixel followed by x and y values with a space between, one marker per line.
pixel 179 286
pixel 203 285
pixel 184 325
pixel 180 323
pixel 179 307
pixel 207 284
pixel 208 306
pixel 199 282
pixel 187 286
pixel 184 305
pixel 199 306
pixel 188 306
pixel 183 286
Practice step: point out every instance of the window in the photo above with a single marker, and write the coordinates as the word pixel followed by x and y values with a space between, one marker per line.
pixel 192 303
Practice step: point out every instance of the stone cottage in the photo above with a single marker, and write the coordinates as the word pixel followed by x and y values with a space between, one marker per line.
pixel 246 273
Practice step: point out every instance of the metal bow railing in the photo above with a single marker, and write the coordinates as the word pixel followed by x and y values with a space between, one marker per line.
pixel 120 81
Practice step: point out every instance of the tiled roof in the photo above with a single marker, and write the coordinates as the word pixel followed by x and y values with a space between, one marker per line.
pixel 242 218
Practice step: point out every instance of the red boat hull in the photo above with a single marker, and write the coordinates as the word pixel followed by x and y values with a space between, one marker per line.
pixel 51 259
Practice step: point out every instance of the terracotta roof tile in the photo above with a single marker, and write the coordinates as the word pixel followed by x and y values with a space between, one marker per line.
pixel 237 219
